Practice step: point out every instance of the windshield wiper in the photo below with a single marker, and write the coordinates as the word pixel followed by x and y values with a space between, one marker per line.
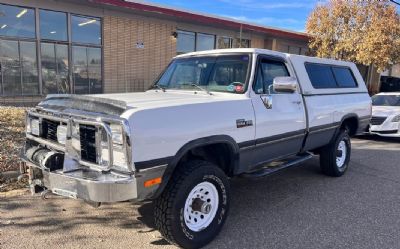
pixel 197 86
pixel 157 86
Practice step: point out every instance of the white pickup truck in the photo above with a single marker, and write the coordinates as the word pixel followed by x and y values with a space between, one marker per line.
pixel 210 116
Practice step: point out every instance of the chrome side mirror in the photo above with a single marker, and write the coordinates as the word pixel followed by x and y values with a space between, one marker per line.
pixel 285 84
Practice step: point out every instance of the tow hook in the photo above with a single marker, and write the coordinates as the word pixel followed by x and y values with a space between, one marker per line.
pixel 45 194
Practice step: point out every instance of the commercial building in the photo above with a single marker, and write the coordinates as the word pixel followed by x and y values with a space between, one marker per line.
pixel 105 46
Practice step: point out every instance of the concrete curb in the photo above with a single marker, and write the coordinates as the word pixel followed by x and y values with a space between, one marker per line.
pixel 14 193
pixel 10 175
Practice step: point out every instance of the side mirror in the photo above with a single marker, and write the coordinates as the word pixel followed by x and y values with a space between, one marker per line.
pixel 285 84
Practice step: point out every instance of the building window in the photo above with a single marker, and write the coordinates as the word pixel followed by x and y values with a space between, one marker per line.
pixel 19 75
pixel 86 30
pixel 186 42
pixel 53 25
pixel 243 43
pixel 225 42
pixel 204 42
pixel 17 21
pixel 294 50
pixel 87 69
pixel 55 69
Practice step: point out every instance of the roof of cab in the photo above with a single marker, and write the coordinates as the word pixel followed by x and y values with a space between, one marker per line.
pixel 233 50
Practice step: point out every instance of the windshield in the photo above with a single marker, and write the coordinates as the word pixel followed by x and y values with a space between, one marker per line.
pixel 386 100
pixel 223 73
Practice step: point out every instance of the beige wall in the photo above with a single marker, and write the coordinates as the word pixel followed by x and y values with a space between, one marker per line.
pixel 127 67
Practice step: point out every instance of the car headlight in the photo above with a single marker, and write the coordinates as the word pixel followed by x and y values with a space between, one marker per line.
pixel 33 126
pixel 119 148
pixel 396 119
pixel 61 134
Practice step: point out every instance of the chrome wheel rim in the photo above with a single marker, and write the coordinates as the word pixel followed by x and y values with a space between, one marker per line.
pixel 201 206
pixel 341 154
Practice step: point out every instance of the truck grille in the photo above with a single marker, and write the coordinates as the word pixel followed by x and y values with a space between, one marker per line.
pixel 88 143
pixel 49 129
pixel 377 120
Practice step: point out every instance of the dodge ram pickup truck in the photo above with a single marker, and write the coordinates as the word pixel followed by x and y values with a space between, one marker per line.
pixel 210 116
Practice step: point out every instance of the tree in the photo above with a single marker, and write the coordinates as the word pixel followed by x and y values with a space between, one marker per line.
pixel 365 32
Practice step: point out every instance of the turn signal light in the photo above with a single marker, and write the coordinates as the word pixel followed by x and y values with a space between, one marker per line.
pixel 152 182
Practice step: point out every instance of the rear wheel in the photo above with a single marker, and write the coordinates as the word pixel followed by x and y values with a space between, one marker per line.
pixel 192 209
pixel 335 157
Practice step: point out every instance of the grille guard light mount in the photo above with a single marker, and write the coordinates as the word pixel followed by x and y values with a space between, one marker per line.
pixel 72 159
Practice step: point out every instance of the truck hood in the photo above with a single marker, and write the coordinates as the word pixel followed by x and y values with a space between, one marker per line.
pixel 385 111
pixel 118 103
pixel 158 98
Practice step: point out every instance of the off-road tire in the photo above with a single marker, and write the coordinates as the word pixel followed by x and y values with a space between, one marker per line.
pixel 328 155
pixel 169 207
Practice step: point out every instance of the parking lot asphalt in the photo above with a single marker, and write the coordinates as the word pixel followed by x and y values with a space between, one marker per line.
pixel 297 208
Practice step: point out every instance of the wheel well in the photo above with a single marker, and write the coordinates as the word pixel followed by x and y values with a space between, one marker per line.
pixel 220 154
pixel 351 124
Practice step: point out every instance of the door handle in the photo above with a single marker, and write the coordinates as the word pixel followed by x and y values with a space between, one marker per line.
pixel 296 102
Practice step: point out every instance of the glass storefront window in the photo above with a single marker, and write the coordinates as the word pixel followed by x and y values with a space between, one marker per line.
pixel 87 70
pixel 86 30
pixel 19 74
pixel 185 42
pixel 17 22
pixel 205 42
pixel 30 79
pixel 55 69
pixel 53 25
pixel 10 68
pixel 224 42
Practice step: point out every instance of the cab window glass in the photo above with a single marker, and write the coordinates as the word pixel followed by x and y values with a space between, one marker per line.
pixel 266 72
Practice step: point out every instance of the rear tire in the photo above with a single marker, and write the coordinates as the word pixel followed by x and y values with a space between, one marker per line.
pixel 335 157
pixel 194 205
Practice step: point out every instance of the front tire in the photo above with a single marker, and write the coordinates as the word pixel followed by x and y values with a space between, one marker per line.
pixel 335 157
pixel 194 205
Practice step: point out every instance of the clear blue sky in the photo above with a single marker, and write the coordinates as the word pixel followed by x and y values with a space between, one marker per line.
pixel 287 14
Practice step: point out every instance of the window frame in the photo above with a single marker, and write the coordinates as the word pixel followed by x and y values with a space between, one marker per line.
pixel 195 40
pixel 68 24
pixel 223 37
pixel 35 24
pixel 69 27
pixel 257 68
pixel 331 66
pixel 197 36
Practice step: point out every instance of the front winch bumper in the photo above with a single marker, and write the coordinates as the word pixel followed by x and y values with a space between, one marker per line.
pixel 85 184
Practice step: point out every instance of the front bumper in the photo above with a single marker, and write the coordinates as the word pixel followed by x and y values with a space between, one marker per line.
pixel 386 129
pixel 92 185
pixel 85 184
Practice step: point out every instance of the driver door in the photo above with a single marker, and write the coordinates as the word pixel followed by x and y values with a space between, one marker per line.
pixel 280 126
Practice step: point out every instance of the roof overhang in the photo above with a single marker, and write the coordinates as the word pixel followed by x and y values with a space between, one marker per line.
pixel 203 18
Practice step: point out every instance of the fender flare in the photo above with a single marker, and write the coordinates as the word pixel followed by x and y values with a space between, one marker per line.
pixel 216 139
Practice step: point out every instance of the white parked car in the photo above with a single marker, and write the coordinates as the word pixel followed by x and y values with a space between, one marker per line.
pixel 385 119
pixel 211 115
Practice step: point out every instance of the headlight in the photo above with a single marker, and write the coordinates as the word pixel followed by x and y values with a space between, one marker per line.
pixel 62 134
pixel 119 148
pixel 117 136
pixel 33 126
pixel 396 119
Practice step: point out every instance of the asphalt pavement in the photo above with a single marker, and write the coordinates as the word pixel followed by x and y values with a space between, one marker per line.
pixel 296 208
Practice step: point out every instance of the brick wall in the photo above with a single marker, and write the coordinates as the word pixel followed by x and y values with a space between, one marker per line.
pixel 129 68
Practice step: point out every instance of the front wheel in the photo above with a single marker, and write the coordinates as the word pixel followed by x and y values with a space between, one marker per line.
pixel 192 209
pixel 335 157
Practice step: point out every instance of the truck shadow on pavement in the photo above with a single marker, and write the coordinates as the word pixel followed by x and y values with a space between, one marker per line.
pixel 296 208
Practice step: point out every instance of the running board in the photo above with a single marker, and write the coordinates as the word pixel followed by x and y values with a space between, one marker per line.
pixel 276 166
